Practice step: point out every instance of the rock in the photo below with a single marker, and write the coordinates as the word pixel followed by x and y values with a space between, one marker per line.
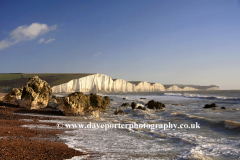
pixel 36 120
pixel 142 108
pixel 36 94
pixel 177 105
pixel 155 105
pixel 92 113
pixel 133 105
pixel 124 98
pixel 53 103
pixel 223 108
pixel 54 97
pixel 78 104
pixel 142 98
pixel 99 102
pixel 213 105
pixel 2 107
pixel 125 104
pixel 119 112
pixel 111 99
pixel 14 96
pixel 1 98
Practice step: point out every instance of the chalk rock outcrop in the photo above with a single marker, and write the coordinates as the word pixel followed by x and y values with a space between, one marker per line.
pixel 14 96
pixel 213 105
pixel 117 112
pixel 133 105
pixel 36 94
pixel 142 108
pixel 53 103
pixel 125 104
pixel 155 105
pixel 92 113
pixel 100 83
pixel 80 104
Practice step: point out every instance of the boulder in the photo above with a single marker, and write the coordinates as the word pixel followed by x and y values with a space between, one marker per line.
pixel 36 94
pixel 177 105
pixel 119 112
pixel 14 96
pixel 78 104
pixel 133 105
pixel 142 108
pixel 125 104
pixel 223 108
pixel 36 120
pixel 92 113
pixel 99 102
pixel 155 105
pixel 54 97
pixel 213 106
pixel 2 107
pixel 53 103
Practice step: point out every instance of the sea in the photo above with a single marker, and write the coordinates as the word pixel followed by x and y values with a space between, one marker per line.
pixel 200 133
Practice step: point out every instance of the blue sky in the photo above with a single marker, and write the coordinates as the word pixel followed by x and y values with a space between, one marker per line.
pixel 169 42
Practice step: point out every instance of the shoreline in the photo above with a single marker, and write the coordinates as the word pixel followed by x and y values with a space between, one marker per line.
pixel 18 142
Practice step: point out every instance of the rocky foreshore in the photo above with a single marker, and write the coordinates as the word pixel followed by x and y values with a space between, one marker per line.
pixel 36 94
pixel 18 142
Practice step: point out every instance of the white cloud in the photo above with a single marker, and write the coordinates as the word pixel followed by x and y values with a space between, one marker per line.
pixel 23 33
pixel 41 40
pixel 4 44
pixel 30 32
pixel 50 40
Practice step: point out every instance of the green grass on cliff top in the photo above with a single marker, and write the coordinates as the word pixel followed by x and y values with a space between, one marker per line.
pixel 10 76
pixel 53 79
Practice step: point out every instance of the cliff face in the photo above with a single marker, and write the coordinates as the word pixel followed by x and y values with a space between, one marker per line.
pixel 98 83
pixel 176 88
pixel 213 88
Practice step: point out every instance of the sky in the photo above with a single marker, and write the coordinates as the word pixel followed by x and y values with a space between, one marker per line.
pixel 168 42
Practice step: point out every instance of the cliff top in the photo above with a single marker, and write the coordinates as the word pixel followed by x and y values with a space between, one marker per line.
pixel 15 80
pixel 193 86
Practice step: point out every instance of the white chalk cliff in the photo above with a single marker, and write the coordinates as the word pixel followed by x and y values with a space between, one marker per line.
pixel 100 83
pixel 176 88
pixel 213 88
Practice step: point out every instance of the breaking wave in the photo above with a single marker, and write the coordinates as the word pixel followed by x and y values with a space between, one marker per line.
pixel 226 123
pixel 231 124
pixel 189 95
